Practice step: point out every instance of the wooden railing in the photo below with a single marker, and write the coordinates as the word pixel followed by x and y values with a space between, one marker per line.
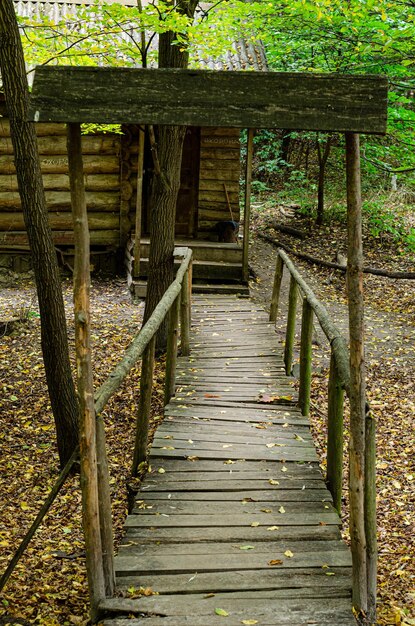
pixel 176 304
pixel 339 384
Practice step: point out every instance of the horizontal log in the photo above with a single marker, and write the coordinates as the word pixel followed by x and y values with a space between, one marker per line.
pixel 61 200
pixel 109 238
pixel 326 102
pixel 222 154
pixel 62 221
pixel 220 143
pixel 215 185
pixel 216 215
pixel 91 144
pixel 42 130
pixel 220 164
pixel 219 175
pixel 100 164
pixel 207 197
pixel 93 182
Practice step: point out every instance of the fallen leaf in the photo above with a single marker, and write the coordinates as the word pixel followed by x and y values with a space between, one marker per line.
pixel 281 509
pixel 289 554
pixel 221 612
pixel 275 562
pixel 255 524
pixel 273 528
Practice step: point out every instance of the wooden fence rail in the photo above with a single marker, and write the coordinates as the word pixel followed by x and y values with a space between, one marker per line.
pixel 178 295
pixel 339 384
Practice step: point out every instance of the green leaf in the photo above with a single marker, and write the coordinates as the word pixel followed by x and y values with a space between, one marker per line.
pixel 221 612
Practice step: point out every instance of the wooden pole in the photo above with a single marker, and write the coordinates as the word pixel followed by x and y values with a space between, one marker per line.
pixel 105 511
pixel 370 516
pixel 139 203
pixel 290 332
pixel 247 205
pixel 185 316
pixel 335 435
pixel 275 299
pixel 305 358
pixel 171 356
pixel 357 374
pixel 87 435
pixel 144 407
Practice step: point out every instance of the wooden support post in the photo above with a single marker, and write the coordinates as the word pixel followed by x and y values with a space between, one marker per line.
pixel 171 356
pixel 139 202
pixel 185 316
pixel 370 516
pixel 247 205
pixel 290 332
pixel 105 513
pixel 275 300
pixel 144 407
pixel 87 435
pixel 305 357
pixel 335 435
pixel 357 374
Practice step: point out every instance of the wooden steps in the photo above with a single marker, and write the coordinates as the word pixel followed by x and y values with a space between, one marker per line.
pixel 233 524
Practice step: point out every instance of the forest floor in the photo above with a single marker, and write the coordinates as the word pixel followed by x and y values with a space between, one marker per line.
pixel 49 585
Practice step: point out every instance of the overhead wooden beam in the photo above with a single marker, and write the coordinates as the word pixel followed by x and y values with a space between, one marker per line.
pixel 325 102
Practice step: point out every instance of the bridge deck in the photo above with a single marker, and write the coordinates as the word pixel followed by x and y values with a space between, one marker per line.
pixel 234 524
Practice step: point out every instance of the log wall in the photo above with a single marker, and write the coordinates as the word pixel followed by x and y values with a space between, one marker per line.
pixel 219 166
pixel 101 155
pixel 110 166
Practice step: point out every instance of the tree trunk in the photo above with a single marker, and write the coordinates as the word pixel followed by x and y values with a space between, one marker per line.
pixel 165 185
pixel 53 323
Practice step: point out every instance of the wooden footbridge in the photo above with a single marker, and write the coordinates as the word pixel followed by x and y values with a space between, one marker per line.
pixel 233 524
pixel 234 519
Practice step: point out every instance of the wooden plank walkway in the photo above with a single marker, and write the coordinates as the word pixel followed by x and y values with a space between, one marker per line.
pixel 234 524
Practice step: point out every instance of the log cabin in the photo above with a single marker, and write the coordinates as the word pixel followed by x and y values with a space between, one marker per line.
pixel 208 205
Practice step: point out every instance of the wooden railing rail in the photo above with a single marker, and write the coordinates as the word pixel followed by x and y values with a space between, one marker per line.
pixel 339 384
pixel 178 295
pixel 339 377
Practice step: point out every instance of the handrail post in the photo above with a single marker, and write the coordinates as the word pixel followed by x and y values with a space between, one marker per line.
pixel 105 512
pixel 335 436
pixel 185 315
pixel 171 356
pixel 290 332
pixel 144 407
pixel 370 511
pixel 279 269
pixel 305 357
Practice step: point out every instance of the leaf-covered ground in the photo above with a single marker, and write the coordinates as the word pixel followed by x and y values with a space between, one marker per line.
pixel 390 361
pixel 49 585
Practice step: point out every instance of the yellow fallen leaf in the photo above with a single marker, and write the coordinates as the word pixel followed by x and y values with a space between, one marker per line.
pixel 273 528
pixel 255 524
pixel 283 469
pixel 281 509
pixel 24 506
pixel 289 554
pixel 161 470
pixel 249 622
pixel 272 481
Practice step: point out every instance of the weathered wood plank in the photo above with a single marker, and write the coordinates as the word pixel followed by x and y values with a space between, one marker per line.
pixel 315 532
pixel 270 582
pixel 329 102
